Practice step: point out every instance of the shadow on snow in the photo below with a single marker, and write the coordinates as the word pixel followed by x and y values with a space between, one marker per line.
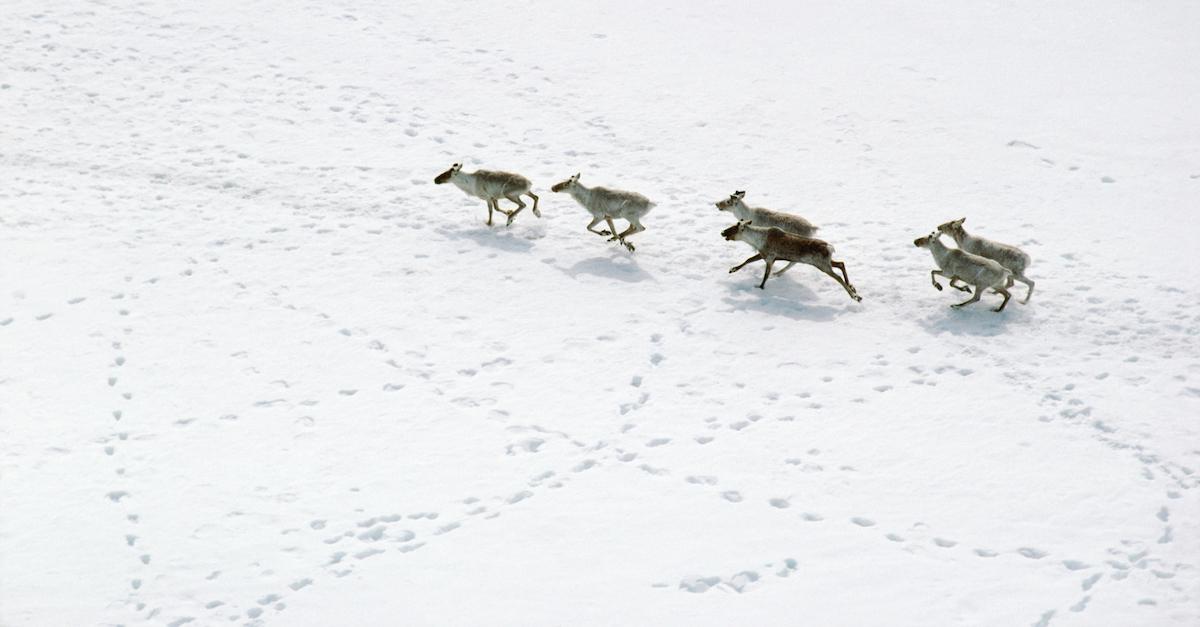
pixel 491 237
pixel 620 267
pixel 976 319
pixel 785 296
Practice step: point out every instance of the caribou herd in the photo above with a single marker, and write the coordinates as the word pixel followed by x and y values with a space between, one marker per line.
pixel 975 265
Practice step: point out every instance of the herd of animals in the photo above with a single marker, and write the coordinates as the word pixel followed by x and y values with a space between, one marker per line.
pixel 975 266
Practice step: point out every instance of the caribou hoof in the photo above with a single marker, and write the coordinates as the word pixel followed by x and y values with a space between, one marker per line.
pixel 938 286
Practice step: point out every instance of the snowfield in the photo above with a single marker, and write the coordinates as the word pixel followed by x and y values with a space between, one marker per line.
pixel 256 368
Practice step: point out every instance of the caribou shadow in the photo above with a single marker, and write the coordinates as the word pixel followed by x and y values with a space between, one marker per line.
pixel 977 319
pixel 493 237
pixel 783 297
pixel 619 267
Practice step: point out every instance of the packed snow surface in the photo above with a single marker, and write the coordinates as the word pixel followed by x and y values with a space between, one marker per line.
pixel 256 368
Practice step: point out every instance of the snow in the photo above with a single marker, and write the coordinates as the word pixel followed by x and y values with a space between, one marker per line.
pixel 255 368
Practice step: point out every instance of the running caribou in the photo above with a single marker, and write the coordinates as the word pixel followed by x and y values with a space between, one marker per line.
pixel 606 204
pixel 774 244
pixel 1012 258
pixel 491 186
pixel 960 265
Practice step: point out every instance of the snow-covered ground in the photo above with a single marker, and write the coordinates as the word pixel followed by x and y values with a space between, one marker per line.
pixel 255 368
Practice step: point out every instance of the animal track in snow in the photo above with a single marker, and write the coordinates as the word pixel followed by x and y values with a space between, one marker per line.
pixel 1031 553
pixel 738 582
pixel 519 496
pixel 528 445
pixel 698 584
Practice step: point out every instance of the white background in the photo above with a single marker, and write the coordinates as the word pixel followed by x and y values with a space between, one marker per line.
pixel 255 368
